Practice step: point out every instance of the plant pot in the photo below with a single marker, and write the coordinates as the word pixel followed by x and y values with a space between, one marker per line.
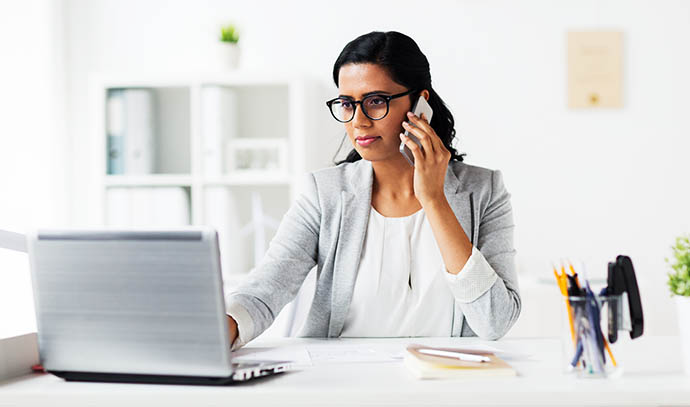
pixel 683 311
pixel 228 55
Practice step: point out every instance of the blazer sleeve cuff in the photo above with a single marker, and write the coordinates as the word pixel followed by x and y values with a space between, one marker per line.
pixel 476 277
pixel 245 324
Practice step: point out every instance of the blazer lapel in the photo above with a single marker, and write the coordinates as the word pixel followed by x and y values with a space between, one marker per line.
pixel 462 203
pixel 355 210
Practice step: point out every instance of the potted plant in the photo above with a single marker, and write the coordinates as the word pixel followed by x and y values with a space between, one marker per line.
pixel 228 48
pixel 679 283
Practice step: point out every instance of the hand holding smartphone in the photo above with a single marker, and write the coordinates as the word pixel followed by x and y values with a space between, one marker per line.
pixel 419 107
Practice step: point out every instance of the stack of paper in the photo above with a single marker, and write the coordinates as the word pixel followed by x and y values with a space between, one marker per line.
pixel 435 363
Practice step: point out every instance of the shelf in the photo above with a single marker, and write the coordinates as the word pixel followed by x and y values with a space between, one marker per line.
pixel 251 142
pixel 152 180
pixel 165 180
pixel 158 79
pixel 220 141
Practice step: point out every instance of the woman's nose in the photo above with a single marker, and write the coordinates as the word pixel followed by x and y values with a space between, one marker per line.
pixel 360 118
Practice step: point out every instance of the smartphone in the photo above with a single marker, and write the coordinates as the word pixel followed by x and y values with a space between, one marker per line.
pixel 419 107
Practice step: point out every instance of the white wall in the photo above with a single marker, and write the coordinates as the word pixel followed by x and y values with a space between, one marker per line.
pixel 587 185
pixel 32 139
pixel 33 146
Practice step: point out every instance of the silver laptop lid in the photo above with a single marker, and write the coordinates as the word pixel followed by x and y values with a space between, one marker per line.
pixel 130 301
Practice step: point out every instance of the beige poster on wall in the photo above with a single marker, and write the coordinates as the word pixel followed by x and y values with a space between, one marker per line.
pixel 595 69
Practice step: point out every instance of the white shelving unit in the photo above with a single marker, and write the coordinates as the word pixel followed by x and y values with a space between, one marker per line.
pixel 279 112
pixel 273 111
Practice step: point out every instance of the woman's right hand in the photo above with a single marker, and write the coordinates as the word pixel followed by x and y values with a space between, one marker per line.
pixel 232 329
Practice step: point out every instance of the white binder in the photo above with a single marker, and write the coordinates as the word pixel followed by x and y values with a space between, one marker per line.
pixel 218 124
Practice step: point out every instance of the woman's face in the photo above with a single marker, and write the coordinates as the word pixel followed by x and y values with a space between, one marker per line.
pixel 356 80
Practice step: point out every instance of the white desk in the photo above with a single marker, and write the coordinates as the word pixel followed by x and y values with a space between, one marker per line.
pixel 652 377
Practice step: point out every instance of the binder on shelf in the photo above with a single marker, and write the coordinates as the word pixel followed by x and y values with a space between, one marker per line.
pixel 257 227
pixel 130 131
pixel 218 124
pixel 221 212
pixel 114 124
pixel 139 132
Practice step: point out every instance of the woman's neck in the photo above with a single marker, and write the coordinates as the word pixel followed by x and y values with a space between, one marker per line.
pixel 393 178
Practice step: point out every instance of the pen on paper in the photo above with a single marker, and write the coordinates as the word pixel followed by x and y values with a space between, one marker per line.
pixel 458 355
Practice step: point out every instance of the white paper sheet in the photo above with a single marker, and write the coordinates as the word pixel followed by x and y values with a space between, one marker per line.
pixel 296 354
pixel 335 353
pixel 326 354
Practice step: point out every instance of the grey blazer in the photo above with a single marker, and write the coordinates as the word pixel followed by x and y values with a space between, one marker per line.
pixel 326 226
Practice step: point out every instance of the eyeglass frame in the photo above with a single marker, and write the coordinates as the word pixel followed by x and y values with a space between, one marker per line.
pixel 388 99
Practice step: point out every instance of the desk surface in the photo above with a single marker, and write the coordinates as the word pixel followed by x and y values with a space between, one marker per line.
pixel 652 376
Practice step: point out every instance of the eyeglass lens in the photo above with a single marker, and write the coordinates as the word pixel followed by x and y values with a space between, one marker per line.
pixel 374 106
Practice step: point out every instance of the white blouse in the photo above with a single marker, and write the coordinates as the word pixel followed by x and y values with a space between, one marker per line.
pixel 402 286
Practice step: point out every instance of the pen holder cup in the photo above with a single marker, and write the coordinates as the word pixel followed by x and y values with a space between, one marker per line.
pixel 586 351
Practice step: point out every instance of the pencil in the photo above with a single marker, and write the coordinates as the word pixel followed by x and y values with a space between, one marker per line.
pixel 564 291
pixel 608 349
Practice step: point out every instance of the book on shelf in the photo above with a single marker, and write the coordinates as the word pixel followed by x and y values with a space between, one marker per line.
pixel 435 366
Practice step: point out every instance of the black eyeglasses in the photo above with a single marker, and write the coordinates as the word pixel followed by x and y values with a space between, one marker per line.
pixel 374 106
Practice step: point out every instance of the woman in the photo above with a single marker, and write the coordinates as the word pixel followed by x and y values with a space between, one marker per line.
pixel 400 250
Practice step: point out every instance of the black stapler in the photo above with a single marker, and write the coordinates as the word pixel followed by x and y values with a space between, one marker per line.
pixel 621 281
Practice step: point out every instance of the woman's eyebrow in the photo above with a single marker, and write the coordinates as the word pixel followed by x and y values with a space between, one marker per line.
pixel 368 93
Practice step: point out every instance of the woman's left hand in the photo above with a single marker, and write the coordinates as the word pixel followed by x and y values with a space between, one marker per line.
pixel 431 162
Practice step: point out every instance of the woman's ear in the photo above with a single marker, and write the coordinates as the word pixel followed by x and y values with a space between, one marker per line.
pixel 425 93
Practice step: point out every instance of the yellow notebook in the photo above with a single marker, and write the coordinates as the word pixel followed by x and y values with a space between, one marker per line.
pixel 425 366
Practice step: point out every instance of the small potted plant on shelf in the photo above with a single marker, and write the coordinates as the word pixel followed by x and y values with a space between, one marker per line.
pixel 679 283
pixel 228 48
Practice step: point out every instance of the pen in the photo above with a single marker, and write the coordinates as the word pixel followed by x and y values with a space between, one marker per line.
pixel 597 350
pixel 457 355
pixel 606 342
pixel 574 274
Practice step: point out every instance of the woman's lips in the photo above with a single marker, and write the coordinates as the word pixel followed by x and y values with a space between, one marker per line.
pixel 366 141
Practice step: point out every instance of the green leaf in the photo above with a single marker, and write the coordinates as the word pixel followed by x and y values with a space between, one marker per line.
pixel 229 33
pixel 679 278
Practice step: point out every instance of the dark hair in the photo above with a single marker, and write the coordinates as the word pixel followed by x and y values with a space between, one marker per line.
pixel 408 66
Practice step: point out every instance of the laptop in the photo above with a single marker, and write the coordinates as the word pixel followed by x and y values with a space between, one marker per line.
pixel 134 306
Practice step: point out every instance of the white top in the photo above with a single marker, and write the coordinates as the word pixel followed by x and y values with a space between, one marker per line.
pixel 400 289
pixel 401 282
